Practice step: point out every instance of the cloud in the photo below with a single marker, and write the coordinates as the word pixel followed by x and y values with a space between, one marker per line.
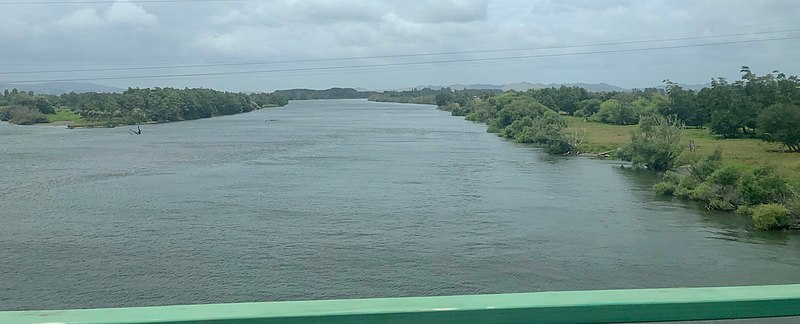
pixel 127 13
pixel 449 11
pixel 144 33
pixel 232 17
pixel 120 13
pixel 81 19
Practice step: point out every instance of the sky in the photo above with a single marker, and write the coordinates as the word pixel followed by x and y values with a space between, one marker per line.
pixel 241 45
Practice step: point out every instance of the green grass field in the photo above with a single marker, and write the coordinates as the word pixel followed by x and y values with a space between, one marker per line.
pixel 751 152
pixel 66 115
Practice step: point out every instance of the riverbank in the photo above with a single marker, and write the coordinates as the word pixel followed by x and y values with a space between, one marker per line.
pixel 745 152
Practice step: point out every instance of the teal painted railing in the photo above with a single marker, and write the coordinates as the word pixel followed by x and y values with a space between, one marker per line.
pixel 621 306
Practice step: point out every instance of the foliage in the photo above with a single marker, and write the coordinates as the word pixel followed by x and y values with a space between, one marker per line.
pixel 781 123
pixel 704 168
pixel 770 216
pixel 612 111
pixel 444 98
pixel 683 104
pixel 702 192
pixel 22 115
pixel 656 144
pixel 726 176
pixel 721 204
pixel 332 93
pixel 745 210
pixel 685 187
pixel 762 186
pixel 669 183
pixel 735 107
pixel 664 188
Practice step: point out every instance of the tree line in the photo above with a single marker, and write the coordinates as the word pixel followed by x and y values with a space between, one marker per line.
pixel 332 93
pixel 134 105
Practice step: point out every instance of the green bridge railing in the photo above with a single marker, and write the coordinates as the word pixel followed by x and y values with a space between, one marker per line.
pixel 620 306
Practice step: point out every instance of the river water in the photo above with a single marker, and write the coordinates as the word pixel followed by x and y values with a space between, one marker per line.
pixel 342 199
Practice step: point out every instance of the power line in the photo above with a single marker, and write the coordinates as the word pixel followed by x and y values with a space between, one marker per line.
pixel 162 67
pixel 345 67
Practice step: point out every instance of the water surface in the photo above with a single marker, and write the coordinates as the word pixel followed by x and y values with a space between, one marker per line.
pixel 342 199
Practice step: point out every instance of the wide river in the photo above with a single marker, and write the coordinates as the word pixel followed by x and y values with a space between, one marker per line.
pixel 342 199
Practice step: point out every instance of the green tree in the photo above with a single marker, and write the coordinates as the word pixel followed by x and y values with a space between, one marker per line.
pixel 656 144
pixel 781 123
pixel 444 97
pixel 613 111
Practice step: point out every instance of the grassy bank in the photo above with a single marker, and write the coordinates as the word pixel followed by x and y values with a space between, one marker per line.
pixel 66 115
pixel 752 152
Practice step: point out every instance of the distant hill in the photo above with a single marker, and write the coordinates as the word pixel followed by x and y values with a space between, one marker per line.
pixel 57 88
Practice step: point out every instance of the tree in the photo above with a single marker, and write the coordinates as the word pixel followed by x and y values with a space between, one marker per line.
pixel 613 111
pixel 683 103
pixel 657 143
pixel 444 97
pixel 781 123
pixel 44 106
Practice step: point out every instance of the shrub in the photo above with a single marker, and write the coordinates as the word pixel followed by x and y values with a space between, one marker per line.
pixel 656 144
pixel 726 176
pixel 770 216
pixel 672 177
pixel 664 188
pixel 22 115
pixel 720 203
pixel 685 187
pixel 793 205
pixel 745 210
pixel 703 192
pixel 762 186
pixel 703 169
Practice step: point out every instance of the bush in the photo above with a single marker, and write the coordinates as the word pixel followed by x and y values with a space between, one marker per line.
pixel 685 187
pixel 703 192
pixel 656 144
pixel 762 186
pixel 793 205
pixel 664 188
pixel 22 115
pixel 672 177
pixel 770 216
pixel 703 169
pixel 720 203
pixel 745 210
pixel 726 176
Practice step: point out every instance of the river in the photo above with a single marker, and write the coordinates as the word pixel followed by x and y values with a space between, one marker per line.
pixel 342 199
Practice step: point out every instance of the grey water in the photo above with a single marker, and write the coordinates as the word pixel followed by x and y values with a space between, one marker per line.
pixel 342 199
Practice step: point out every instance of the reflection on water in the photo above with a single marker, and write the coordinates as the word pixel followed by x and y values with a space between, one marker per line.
pixel 343 199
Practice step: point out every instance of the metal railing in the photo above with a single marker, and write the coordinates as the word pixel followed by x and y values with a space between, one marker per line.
pixel 620 306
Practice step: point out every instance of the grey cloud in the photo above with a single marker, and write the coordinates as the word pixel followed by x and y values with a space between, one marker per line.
pixel 119 13
pixel 176 33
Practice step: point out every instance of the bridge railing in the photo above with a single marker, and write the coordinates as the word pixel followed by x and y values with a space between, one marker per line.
pixel 620 306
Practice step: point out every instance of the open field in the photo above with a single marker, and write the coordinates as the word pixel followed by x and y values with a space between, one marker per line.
pixel 66 115
pixel 753 152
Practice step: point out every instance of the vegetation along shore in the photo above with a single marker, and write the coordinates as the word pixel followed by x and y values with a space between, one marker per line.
pixel 733 145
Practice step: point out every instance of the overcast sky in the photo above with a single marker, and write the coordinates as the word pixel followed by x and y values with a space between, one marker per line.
pixel 36 37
